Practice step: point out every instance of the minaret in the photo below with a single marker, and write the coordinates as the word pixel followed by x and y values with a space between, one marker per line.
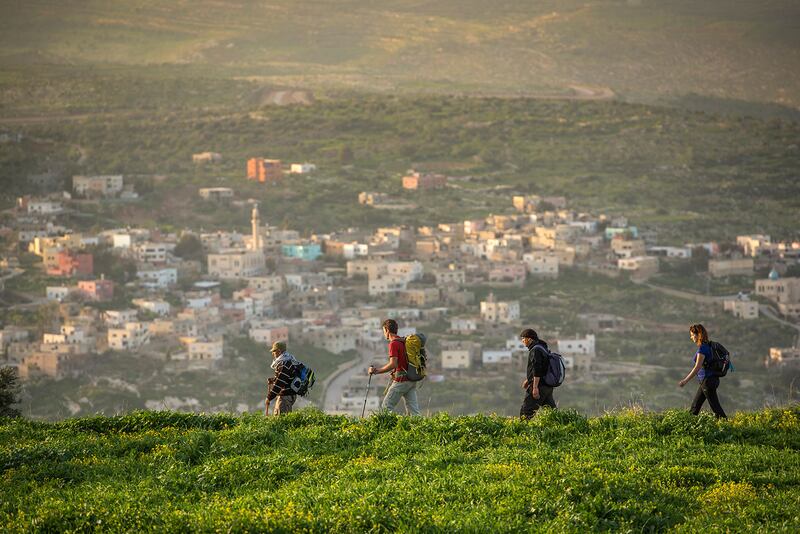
pixel 256 223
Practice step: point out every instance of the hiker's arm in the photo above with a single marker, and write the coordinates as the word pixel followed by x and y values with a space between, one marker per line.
pixel 698 364
pixel 274 389
pixel 391 366
pixel 535 388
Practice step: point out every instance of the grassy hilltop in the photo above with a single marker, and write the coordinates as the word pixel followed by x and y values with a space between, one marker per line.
pixel 560 472
pixel 637 49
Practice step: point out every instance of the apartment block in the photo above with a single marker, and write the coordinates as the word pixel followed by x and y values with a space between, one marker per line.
pixel 742 309
pixel 131 336
pixel 421 181
pixel 541 263
pixel 97 186
pixel 641 267
pixel 264 170
pixel 494 311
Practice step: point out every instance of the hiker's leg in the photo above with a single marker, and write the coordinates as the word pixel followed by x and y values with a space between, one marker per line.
pixel 410 398
pixel 699 399
pixel 546 397
pixel 284 404
pixel 713 399
pixel 392 397
pixel 529 406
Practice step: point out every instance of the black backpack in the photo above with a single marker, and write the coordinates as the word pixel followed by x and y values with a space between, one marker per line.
pixel 555 368
pixel 720 361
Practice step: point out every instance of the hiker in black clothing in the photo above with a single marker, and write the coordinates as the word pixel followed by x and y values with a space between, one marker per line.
pixel 709 382
pixel 537 393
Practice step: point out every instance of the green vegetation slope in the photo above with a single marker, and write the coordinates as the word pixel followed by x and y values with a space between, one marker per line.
pixel 559 472
pixel 638 48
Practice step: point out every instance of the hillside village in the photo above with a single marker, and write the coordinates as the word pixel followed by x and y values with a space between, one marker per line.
pixel 178 296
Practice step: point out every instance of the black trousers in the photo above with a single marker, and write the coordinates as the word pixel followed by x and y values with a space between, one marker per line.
pixel 708 390
pixel 530 405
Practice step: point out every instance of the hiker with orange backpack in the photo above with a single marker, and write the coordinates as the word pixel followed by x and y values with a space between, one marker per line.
pixel 404 377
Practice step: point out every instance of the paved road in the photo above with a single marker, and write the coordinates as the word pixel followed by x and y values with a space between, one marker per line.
pixel 341 377
pixel 765 310
pixel 688 295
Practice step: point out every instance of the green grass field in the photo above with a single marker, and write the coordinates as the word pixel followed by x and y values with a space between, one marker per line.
pixel 309 472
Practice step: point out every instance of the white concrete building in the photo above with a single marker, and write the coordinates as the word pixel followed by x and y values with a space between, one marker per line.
pixel 639 266
pixel 215 193
pixel 682 253
pixel 742 308
pixel 753 245
pixel 541 263
pixel 273 283
pixel 121 240
pixel 783 356
pixel 118 318
pixel 232 264
pixel 492 357
pixel 44 207
pixel 386 285
pixel 97 186
pixel 411 271
pixel 456 359
pixel 267 334
pixel 200 301
pixel 130 336
pixel 493 311
pixel 355 250
pixel 150 252
pixel 158 278
pixel 57 293
pixel 68 335
pixel 204 349
pixel 463 325
pixel 578 353
pixel 302 168
pixel 157 306
pixel 335 340
pixel 450 276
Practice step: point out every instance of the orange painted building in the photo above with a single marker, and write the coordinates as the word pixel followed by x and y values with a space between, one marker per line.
pixel 68 263
pixel 264 170
pixel 99 290
pixel 416 180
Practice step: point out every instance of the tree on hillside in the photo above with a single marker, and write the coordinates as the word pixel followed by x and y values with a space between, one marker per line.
pixel 113 267
pixel 190 248
pixel 9 387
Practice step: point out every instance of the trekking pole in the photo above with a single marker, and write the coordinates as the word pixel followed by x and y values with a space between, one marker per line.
pixel 364 409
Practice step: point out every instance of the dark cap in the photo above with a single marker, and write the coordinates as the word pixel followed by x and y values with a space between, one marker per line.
pixel 529 333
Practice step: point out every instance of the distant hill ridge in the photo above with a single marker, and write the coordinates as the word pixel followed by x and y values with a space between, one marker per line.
pixel 642 50
pixel 312 472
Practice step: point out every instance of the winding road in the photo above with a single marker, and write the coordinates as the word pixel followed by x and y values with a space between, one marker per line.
pixel 334 385
pixel 764 309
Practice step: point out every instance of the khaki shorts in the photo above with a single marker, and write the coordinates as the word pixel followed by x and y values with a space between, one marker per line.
pixel 284 404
